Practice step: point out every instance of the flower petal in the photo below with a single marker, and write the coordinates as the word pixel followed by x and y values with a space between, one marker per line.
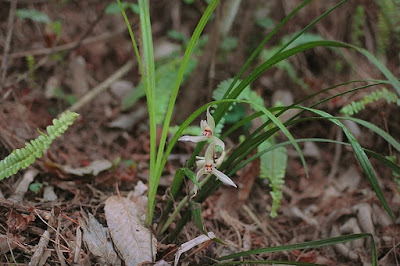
pixel 203 124
pixel 210 120
pixel 200 173
pixel 220 160
pixel 218 142
pixel 193 138
pixel 200 163
pixel 195 188
pixel 209 155
pixel 224 178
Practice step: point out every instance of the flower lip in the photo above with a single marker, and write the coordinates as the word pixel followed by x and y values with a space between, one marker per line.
pixel 207 132
pixel 208 168
pixel 207 128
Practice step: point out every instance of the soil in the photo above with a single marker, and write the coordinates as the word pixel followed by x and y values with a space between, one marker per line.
pixel 45 73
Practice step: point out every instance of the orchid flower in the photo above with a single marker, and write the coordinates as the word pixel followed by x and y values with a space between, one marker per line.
pixel 207 134
pixel 208 166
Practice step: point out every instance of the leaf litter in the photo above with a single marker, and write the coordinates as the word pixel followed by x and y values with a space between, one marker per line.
pixel 125 220
pixel 26 108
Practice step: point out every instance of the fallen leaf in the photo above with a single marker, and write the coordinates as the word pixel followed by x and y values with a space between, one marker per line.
pixel 94 168
pixel 348 180
pixel 17 222
pixel 165 48
pixel 98 241
pixel 192 243
pixel 9 242
pixel 126 122
pixel 49 194
pixel 79 83
pixel 121 88
pixel 133 240
pixel 52 84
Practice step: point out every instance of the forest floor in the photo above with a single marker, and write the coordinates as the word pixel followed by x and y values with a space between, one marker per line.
pixel 106 151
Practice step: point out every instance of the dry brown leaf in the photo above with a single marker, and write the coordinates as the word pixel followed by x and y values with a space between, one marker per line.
pixel 9 242
pixel 94 168
pixel 23 186
pixel 79 80
pixel 98 241
pixel 133 240
pixel 18 222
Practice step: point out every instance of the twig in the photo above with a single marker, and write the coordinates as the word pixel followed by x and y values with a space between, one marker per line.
pixel 26 1
pixel 102 86
pixel 10 24
pixel 43 242
pixel 23 208
pixel 58 244
pixel 68 46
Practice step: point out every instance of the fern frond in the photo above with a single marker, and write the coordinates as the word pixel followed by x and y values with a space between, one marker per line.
pixel 356 106
pixel 273 168
pixel 22 158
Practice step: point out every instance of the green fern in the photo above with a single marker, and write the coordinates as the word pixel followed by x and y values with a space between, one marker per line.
pixel 272 164
pixel 22 158
pixel 273 168
pixel 356 106
pixel 166 73
pixel 219 92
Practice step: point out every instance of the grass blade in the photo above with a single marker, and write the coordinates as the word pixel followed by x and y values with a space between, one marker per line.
pixel 377 156
pixel 161 156
pixel 267 262
pixel 361 157
pixel 150 86
pixel 307 245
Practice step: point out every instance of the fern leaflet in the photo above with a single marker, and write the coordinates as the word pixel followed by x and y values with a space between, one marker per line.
pixel 22 158
pixel 356 106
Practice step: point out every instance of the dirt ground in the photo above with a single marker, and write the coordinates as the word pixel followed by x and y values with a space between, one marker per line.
pixel 48 72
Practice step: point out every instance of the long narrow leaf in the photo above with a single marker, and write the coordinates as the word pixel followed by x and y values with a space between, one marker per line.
pixel 307 245
pixel 241 86
pixel 385 71
pixel 361 157
pixel 150 87
pixel 259 48
pixel 161 156
pixel 377 156
pixel 189 50
pixel 267 262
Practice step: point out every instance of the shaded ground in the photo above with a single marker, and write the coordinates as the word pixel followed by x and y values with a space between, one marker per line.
pixel 335 200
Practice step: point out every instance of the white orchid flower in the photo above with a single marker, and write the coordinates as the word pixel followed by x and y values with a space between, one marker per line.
pixel 208 166
pixel 207 134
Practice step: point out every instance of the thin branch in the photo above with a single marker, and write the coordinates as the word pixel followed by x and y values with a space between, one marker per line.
pixel 103 86
pixel 10 24
pixel 68 46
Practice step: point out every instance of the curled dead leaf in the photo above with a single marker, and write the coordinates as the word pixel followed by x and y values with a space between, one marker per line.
pixel 97 239
pixel 134 241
